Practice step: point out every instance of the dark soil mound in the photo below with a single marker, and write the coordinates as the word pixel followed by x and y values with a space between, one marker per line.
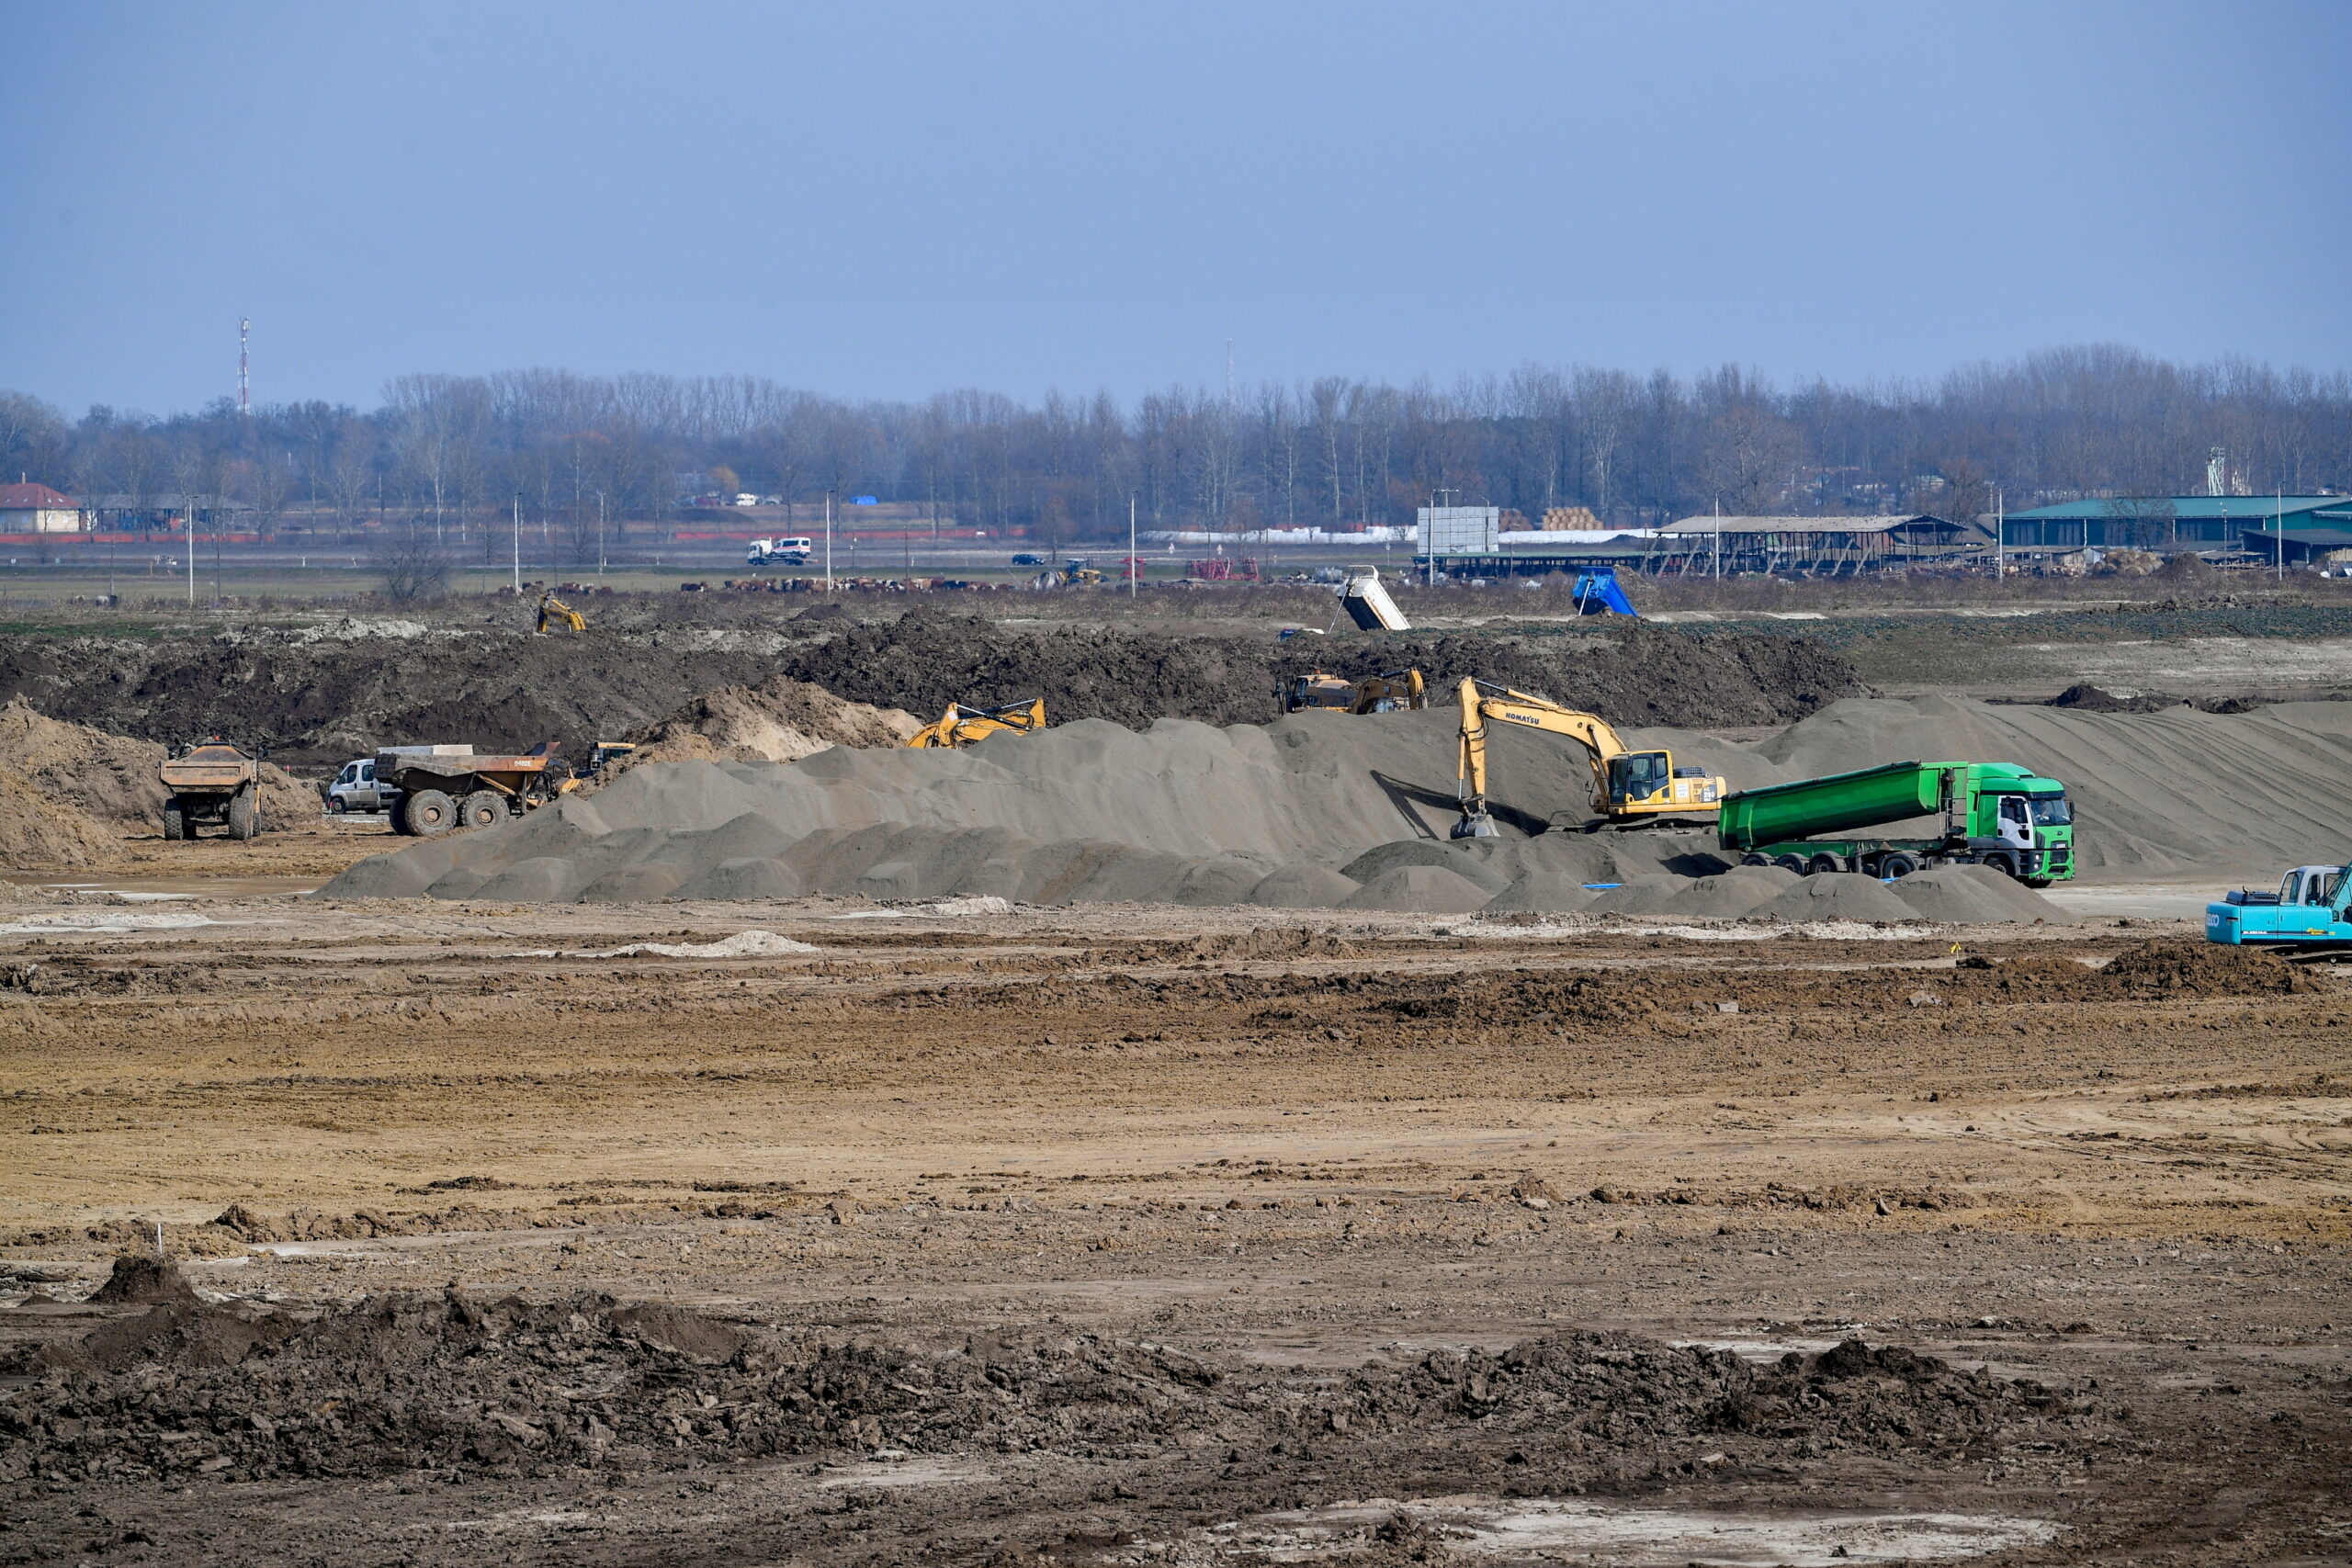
pixel 137 1279
pixel 2096 699
pixel 2191 967
pixel 404 1382
pixel 1633 674
pixel 317 698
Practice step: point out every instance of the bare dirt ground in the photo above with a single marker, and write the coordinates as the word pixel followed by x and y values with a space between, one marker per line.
pixel 1161 1235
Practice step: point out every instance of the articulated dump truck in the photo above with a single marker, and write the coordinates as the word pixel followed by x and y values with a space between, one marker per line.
pixel 1994 814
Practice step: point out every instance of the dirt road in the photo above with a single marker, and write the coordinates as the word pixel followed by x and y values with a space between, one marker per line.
pixel 1127 1236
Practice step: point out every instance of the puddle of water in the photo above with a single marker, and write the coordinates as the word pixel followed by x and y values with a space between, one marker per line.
pixel 191 887
pixel 1760 1350
pixel 891 1469
pixel 1536 1530
pixel 68 922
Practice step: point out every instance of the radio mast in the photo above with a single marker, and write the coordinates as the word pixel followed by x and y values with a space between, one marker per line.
pixel 244 387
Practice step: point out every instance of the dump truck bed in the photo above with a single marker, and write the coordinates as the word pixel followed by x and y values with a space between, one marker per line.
pixel 214 768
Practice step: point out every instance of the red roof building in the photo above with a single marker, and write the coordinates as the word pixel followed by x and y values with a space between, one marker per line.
pixel 36 508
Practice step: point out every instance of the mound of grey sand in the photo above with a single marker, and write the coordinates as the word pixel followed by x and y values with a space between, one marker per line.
pixel 1184 812
pixel 1642 895
pixel 1542 891
pixel 1836 896
pixel 1974 894
pixel 1420 890
pixel 1372 864
pixel 779 720
pixel 2154 793
pixel 1302 887
pixel 1740 891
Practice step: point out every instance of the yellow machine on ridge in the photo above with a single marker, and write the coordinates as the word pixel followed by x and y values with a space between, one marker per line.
pixel 554 612
pixel 1630 788
pixel 1386 693
pixel 960 725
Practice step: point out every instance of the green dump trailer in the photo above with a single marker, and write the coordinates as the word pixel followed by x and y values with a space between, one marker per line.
pixel 1994 814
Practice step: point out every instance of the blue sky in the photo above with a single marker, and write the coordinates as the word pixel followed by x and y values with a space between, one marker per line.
pixel 886 200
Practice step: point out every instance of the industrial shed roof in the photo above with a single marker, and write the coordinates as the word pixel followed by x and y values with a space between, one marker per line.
pixel 1875 524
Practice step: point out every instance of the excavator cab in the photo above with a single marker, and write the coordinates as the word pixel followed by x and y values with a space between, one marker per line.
pixel 1636 778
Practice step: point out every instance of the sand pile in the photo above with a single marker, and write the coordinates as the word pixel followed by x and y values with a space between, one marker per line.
pixel 69 794
pixel 1973 894
pixel 779 720
pixel 1326 810
pixel 2154 795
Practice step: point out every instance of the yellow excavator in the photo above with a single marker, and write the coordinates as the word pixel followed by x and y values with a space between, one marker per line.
pixel 1385 692
pixel 554 612
pixel 961 725
pixel 1630 789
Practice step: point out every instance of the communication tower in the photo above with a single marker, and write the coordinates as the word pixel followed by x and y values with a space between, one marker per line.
pixel 244 387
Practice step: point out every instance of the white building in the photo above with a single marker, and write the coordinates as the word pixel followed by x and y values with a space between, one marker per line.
pixel 36 508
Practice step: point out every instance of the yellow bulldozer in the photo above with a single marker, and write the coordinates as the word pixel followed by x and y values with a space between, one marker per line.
pixel 1385 692
pixel 1630 788
pixel 961 725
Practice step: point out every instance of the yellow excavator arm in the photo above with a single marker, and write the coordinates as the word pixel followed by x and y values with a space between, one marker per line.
pixel 1628 786
pixel 555 611
pixel 960 725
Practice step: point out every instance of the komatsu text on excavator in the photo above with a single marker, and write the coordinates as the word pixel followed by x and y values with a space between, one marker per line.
pixel 1630 788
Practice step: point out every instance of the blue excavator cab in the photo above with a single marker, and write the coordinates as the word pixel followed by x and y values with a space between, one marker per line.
pixel 1598 593
pixel 2307 912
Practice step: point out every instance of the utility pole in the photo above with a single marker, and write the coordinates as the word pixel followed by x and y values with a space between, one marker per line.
pixel 2000 535
pixel 1719 538
pixel 188 505
pixel 600 536
pixel 1134 564
pixel 829 541
pixel 2279 522
pixel 518 544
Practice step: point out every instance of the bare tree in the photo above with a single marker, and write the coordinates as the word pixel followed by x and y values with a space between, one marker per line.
pixel 411 561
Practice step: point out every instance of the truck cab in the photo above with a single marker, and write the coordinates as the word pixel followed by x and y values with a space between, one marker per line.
pixel 356 789
pixel 2307 910
pixel 2022 823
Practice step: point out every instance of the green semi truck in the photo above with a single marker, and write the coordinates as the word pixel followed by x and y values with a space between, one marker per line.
pixel 1994 814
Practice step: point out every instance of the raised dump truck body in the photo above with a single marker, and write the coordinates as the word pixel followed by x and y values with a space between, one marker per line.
pixel 212 782
pixel 443 787
pixel 1994 814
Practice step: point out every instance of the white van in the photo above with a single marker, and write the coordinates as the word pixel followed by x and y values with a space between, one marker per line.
pixel 792 551
pixel 355 789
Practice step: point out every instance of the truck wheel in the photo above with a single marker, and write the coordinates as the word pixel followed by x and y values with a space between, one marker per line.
pixel 1823 865
pixel 174 819
pixel 244 817
pixel 1753 860
pixel 2039 883
pixel 1897 865
pixel 2005 863
pixel 430 813
pixel 481 809
pixel 335 806
pixel 1790 862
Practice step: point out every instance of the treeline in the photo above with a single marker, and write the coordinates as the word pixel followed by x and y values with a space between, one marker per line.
pixel 453 450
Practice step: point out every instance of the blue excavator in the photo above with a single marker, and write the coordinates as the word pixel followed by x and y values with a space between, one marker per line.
pixel 2308 913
